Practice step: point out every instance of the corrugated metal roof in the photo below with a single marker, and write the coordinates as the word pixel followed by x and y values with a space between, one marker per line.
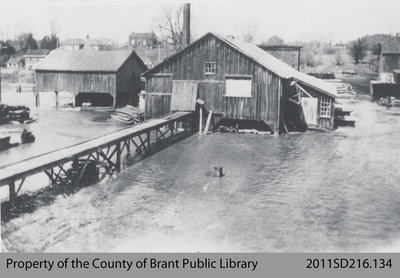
pixel 84 60
pixel 268 61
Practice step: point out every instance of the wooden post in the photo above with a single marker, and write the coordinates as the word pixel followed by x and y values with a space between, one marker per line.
pixel 128 145
pixel 208 122
pixel 118 162
pixel 148 140
pixel 37 98
pixel 56 92
pixel 12 193
pixel 201 118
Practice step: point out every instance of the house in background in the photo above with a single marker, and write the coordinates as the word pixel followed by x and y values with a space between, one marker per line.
pixel 240 81
pixel 144 40
pixel 102 78
pixel 16 62
pixel 78 44
pixel 32 56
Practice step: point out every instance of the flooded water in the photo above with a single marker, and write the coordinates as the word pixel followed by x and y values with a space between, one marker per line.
pixel 313 191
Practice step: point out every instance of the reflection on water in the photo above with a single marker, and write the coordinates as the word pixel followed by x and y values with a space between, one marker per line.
pixel 313 191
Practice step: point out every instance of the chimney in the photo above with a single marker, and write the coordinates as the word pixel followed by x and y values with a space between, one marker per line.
pixel 186 24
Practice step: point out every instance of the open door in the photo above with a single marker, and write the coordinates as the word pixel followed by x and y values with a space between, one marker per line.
pixel 310 110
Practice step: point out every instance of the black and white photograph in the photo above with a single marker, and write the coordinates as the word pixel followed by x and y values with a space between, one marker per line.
pixel 200 126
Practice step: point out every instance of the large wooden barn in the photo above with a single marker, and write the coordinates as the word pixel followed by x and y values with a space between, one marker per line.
pixel 102 78
pixel 240 81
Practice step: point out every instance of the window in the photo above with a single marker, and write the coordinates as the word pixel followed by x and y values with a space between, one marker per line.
pixel 325 109
pixel 238 87
pixel 144 42
pixel 209 68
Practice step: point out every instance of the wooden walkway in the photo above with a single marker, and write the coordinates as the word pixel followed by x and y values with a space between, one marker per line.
pixel 105 151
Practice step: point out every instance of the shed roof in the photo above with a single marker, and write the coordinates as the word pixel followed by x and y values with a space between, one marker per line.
pixel 36 52
pixel 85 60
pixel 269 62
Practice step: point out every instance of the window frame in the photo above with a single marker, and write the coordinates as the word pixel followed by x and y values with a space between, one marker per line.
pixel 206 72
pixel 239 77
pixel 325 110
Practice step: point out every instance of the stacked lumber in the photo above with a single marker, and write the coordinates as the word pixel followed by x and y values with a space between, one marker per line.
pixel 128 115
pixel 344 90
pixel 18 114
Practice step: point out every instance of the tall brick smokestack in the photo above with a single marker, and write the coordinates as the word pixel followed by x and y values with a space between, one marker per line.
pixel 186 24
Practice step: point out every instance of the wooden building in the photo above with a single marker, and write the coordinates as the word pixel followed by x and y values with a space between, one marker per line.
pixel 103 78
pixel 388 62
pixel 16 62
pixel 388 84
pixel 290 54
pixel 33 56
pixel 240 81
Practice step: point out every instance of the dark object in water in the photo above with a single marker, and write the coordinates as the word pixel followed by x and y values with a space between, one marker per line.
pixel 343 122
pixel 27 137
pixel 13 113
pixel 4 142
pixel 218 171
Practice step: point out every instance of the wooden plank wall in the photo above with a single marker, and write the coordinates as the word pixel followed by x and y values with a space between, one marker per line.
pixel 388 63
pixel 76 82
pixel 213 94
pixel 157 104
pixel 159 84
pixel 128 81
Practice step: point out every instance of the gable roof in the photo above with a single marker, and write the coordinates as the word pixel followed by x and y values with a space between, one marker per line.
pixel 15 60
pixel 141 35
pixel 85 60
pixel 36 52
pixel 267 61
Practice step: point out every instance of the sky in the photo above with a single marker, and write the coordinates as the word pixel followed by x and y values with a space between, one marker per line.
pixel 301 20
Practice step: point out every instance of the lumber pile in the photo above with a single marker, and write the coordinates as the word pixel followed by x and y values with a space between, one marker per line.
pixel 128 115
pixel 10 113
pixel 344 90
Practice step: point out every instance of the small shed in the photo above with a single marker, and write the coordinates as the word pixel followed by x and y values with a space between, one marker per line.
pixel 103 78
pixel 240 81
pixel 388 62
pixel 16 62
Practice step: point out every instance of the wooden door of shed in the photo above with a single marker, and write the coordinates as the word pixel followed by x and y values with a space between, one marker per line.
pixel 310 110
pixel 184 95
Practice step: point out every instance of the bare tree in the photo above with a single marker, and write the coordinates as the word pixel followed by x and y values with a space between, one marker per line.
pixel 247 31
pixel 53 23
pixel 170 26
